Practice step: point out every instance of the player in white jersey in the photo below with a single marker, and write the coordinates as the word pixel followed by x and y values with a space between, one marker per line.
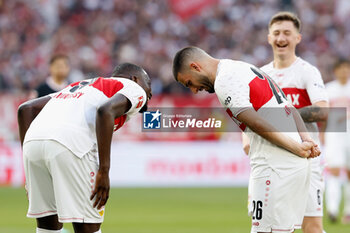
pixel 278 159
pixel 337 145
pixel 66 138
pixel 303 85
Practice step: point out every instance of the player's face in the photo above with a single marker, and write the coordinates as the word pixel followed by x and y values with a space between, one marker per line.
pixel 342 72
pixel 283 38
pixel 60 68
pixel 196 82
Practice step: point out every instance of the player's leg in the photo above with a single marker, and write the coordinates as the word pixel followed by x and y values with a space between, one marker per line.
pixel 346 217
pixel 77 175
pixel 312 222
pixel 335 159
pixel 39 187
pixel 49 223
pixel 87 227
pixel 333 193
pixel 312 225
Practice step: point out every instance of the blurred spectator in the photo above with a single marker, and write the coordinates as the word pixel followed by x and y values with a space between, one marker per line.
pixel 59 70
pixel 96 35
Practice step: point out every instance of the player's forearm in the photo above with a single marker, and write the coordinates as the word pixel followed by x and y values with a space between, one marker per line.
pixel 313 113
pixel 304 135
pixel 263 128
pixel 104 134
pixel 271 134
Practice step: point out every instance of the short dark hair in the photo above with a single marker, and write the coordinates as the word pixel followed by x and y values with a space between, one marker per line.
pixel 340 62
pixel 180 58
pixel 57 57
pixel 286 16
pixel 129 69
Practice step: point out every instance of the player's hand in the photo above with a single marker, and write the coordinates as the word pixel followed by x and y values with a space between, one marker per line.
pixel 101 191
pixel 306 149
pixel 315 150
pixel 309 149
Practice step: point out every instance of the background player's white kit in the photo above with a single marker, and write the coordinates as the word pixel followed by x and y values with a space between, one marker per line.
pixel 303 86
pixel 337 147
pixel 279 178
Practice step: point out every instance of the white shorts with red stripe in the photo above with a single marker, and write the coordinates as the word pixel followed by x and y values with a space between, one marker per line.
pixel 58 182
pixel 277 204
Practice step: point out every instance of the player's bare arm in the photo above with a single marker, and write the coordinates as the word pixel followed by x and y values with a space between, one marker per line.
pixel 27 112
pixel 245 143
pixel 260 126
pixel 315 113
pixel 304 135
pixel 117 106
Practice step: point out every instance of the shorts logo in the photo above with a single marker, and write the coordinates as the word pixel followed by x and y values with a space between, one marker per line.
pixel 101 212
pixel 151 120
pixel 255 224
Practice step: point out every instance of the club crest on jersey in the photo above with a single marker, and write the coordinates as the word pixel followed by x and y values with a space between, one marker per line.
pixel 152 120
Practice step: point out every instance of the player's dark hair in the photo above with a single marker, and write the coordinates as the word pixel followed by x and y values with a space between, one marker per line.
pixel 180 58
pixel 56 57
pixel 340 62
pixel 286 16
pixel 129 69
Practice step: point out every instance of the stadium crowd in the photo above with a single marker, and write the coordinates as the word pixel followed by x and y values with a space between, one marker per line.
pixel 97 34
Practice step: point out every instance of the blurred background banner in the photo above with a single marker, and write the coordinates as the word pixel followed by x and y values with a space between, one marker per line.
pixel 185 9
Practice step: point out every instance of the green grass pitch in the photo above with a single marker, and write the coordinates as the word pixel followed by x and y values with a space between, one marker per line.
pixel 154 210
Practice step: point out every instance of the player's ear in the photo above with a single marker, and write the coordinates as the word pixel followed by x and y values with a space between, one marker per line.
pixel 195 66
pixel 269 38
pixel 299 36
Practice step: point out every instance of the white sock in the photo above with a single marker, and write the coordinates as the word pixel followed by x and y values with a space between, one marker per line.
pixel 333 194
pixel 347 198
pixel 40 230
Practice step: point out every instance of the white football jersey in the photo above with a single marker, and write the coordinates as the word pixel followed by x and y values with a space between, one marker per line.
pixel 339 97
pixel 302 84
pixel 70 115
pixel 239 86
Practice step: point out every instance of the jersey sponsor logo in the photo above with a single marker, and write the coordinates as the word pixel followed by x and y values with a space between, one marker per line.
pixel 61 95
pixel 152 120
pixel 297 97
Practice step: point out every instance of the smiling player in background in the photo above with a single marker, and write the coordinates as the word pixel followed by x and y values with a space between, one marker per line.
pixel 303 85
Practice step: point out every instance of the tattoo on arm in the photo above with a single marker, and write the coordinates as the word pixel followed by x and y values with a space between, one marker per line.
pixel 312 113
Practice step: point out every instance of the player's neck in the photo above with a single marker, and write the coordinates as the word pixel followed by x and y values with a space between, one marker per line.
pixel 282 62
pixel 342 81
pixel 213 68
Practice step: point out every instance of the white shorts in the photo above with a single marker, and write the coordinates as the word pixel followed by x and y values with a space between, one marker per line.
pixel 314 206
pixel 337 150
pixel 58 182
pixel 277 204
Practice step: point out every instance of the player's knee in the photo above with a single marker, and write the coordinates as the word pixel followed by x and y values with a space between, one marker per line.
pixel 40 230
pixel 87 227
pixel 312 227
